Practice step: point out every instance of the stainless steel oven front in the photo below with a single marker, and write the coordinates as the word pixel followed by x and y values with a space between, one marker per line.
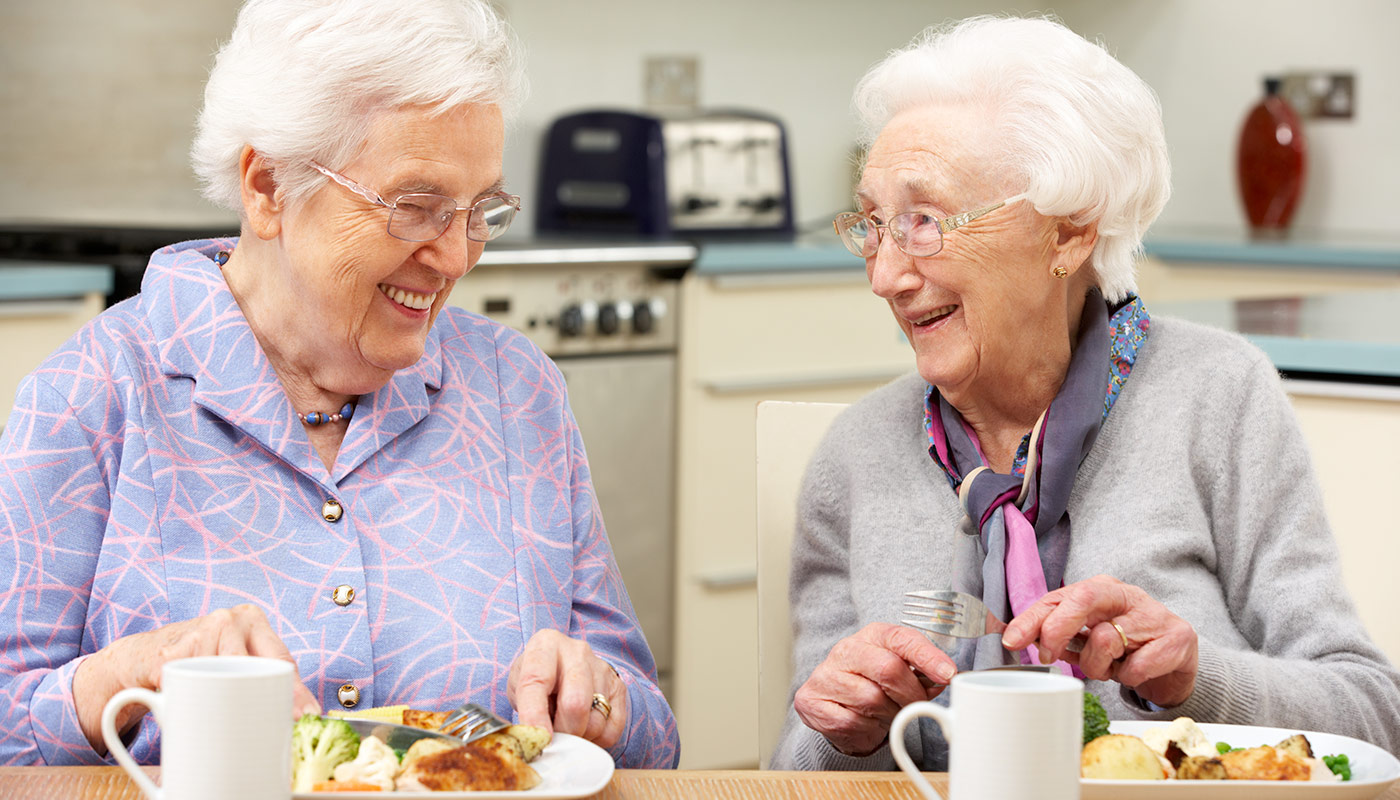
pixel 606 314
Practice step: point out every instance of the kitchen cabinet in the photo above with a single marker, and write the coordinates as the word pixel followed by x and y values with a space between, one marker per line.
pixel 745 338
pixel 41 306
pixel 1353 432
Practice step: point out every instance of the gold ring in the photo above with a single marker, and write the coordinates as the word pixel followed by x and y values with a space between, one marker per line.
pixel 601 704
pixel 1121 635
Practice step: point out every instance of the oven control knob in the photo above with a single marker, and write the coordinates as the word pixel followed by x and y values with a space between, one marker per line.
pixel 643 321
pixel 571 321
pixel 607 319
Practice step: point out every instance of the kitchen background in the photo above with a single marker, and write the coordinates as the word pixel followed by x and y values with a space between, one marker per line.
pixel 99 101
pixel 100 97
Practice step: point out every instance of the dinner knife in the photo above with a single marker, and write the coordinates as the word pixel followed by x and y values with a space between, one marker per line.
pixel 398 737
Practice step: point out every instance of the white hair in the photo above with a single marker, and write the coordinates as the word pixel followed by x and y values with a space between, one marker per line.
pixel 302 80
pixel 1080 129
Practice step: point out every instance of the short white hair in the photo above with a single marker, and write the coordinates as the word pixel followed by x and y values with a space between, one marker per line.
pixel 1083 131
pixel 302 80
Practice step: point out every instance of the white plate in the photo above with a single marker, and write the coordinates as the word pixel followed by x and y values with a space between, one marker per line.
pixel 1372 770
pixel 568 767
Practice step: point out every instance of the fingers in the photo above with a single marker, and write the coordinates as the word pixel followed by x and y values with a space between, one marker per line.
pixel 853 695
pixel 1131 638
pixel 533 676
pixel 1055 619
pixel 552 684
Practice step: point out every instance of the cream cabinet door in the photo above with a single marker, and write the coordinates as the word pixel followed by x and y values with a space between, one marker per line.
pixel 819 337
pixel 1354 434
pixel 32 329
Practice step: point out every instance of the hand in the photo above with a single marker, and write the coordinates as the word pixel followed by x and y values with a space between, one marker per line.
pixel 136 661
pixel 552 683
pixel 851 697
pixel 1159 660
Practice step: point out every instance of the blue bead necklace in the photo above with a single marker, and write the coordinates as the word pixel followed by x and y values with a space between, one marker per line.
pixel 312 418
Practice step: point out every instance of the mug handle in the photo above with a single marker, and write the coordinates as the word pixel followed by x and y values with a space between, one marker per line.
pixel 121 699
pixel 944 718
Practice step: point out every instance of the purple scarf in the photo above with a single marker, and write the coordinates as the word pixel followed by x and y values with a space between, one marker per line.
pixel 1018 524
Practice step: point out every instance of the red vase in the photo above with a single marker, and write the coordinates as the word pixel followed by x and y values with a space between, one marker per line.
pixel 1271 162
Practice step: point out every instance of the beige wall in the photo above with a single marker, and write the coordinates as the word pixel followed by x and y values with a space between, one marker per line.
pixel 99 96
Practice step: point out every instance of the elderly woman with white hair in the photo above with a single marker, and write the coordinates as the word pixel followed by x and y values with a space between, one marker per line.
pixel 1131 494
pixel 288 445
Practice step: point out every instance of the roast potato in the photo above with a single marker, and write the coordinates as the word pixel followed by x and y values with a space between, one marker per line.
pixel 1120 757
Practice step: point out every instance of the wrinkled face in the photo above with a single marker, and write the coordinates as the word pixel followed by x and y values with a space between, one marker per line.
pixel 364 300
pixel 978 309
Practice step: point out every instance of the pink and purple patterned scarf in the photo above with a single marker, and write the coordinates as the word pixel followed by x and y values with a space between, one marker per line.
pixel 1019 523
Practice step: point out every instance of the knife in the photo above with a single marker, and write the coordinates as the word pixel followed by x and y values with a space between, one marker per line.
pixel 398 737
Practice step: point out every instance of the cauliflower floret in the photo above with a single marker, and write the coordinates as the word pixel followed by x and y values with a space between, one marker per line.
pixel 1186 733
pixel 375 764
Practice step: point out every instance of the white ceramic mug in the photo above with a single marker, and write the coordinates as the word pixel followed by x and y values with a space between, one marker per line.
pixel 226 729
pixel 1011 735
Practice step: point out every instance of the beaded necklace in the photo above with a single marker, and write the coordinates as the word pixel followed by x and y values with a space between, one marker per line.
pixel 311 418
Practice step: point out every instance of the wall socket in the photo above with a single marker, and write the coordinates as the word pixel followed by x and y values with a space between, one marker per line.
pixel 1322 95
pixel 671 83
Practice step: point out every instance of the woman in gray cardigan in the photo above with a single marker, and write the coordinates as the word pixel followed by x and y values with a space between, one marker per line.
pixel 1061 454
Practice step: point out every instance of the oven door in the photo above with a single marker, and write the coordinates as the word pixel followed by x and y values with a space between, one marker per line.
pixel 625 407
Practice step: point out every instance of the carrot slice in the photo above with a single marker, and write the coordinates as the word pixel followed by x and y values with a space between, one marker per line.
pixel 345 786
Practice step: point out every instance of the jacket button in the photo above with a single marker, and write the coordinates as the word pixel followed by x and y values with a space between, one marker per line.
pixel 348 695
pixel 343 595
pixel 331 510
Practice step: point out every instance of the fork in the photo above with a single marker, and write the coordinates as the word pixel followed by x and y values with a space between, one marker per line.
pixel 946 612
pixel 470 722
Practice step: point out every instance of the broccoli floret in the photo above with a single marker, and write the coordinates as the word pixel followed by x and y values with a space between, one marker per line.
pixel 318 745
pixel 1095 718
pixel 1339 764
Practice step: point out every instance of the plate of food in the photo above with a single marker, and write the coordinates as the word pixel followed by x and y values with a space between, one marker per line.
pixel 331 761
pixel 1184 759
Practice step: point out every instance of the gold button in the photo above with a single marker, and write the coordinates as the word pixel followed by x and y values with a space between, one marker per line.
pixel 348 695
pixel 343 595
pixel 331 510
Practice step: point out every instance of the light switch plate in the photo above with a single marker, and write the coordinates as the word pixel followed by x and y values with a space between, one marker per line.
pixel 1318 94
pixel 671 83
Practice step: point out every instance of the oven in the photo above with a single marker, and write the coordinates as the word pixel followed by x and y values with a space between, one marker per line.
pixel 606 314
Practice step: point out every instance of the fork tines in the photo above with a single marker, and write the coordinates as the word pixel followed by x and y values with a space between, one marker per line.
pixel 471 721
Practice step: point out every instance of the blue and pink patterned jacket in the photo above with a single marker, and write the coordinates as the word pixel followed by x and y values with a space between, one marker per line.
pixel 153 471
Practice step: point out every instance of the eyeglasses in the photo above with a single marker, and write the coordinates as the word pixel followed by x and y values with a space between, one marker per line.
pixel 421 217
pixel 919 235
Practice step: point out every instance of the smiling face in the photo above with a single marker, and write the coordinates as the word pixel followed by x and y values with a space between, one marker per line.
pixel 985 311
pixel 350 304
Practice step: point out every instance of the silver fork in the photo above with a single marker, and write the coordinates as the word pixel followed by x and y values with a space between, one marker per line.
pixel 470 722
pixel 946 612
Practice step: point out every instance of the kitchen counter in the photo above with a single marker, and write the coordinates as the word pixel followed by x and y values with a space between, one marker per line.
pixel 34 280
pixel 1353 251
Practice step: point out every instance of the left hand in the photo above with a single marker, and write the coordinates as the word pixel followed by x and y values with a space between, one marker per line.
pixel 552 683
pixel 1159 661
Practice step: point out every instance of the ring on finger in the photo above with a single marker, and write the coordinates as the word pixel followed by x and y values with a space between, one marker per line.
pixel 601 705
pixel 1121 635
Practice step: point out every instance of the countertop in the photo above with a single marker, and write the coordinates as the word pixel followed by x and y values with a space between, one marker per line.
pixel 1354 336
pixel 51 280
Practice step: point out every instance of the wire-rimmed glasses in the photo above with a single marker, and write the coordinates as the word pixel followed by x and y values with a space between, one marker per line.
pixel 422 217
pixel 917 234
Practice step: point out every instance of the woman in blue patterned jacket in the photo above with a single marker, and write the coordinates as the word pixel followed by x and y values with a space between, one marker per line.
pixel 286 445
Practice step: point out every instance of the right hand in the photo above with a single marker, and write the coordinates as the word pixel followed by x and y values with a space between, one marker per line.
pixel 851 697
pixel 136 661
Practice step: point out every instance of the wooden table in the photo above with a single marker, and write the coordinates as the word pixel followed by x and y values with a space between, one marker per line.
pixel 111 783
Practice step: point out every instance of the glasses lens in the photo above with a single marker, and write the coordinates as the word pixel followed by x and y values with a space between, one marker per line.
pixel 491 217
pixel 857 234
pixel 917 234
pixel 421 217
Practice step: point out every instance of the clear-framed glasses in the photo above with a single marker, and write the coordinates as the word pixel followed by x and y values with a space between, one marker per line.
pixel 422 217
pixel 917 234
